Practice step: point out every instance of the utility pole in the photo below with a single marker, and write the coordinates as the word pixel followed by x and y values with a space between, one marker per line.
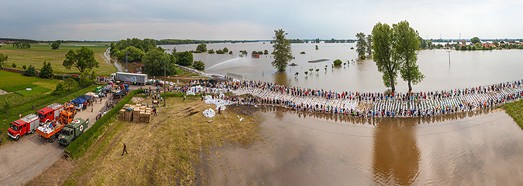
pixel 164 80
pixel 126 63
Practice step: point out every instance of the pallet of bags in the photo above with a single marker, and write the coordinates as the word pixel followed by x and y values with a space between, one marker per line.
pixel 128 113
pixel 136 114
pixel 121 114
pixel 147 118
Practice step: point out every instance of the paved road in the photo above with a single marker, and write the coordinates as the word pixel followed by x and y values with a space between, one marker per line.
pixel 23 160
pixel 107 57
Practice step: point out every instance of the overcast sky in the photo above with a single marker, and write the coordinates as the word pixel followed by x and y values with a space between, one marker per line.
pixel 253 19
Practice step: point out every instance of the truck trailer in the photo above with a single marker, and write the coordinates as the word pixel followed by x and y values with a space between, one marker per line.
pixel 140 79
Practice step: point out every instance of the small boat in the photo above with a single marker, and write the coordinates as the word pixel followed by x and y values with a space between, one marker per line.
pixel 293 64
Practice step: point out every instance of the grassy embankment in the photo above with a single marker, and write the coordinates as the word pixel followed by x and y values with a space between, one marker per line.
pixel 38 53
pixel 22 101
pixel 166 151
pixel 515 110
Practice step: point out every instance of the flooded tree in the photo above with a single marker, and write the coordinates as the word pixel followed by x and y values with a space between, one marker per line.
pixel 361 45
pixel 387 64
pixel 369 45
pixel 395 50
pixel 406 45
pixel 201 48
pixel 282 50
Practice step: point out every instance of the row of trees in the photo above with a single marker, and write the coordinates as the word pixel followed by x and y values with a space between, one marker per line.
pixel 395 50
pixel 154 59
pixel 22 44
pixel 45 72
pixel 132 50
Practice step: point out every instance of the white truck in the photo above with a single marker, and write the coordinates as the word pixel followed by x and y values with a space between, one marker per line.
pixel 140 79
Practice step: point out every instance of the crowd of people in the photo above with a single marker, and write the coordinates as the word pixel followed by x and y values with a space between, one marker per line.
pixel 418 104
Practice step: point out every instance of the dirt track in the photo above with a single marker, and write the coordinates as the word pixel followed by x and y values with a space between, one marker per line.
pixel 23 160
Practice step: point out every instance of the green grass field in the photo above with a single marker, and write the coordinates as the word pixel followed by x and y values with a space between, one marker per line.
pixel 16 85
pixel 515 110
pixel 38 53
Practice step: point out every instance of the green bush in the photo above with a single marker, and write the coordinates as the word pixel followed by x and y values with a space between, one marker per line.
pixel 337 62
pixel 79 146
pixel 31 71
pixel 199 65
pixel 46 71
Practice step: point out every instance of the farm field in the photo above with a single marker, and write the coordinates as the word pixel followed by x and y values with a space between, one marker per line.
pixel 38 53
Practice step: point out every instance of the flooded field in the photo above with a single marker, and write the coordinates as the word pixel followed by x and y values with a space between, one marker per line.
pixel 481 150
pixel 466 69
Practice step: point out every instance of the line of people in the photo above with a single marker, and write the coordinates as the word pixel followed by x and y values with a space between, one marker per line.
pixel 417 104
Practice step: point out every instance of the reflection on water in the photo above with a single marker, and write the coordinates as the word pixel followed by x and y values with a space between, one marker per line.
pixel 315 149
pixel 396 156
pixel 281 78
pixel 346 119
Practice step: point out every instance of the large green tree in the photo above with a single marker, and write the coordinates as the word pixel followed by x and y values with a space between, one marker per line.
pixel 184 58
pixel 386 61
pixel 155 62
pixel 406 44
pixel 475 40
pixel 369 45
pixel 81 59
pixel 282 50
pixel 361 45
pixel 3 59
pixel 131 53
pixel 46 71
pixel 55 45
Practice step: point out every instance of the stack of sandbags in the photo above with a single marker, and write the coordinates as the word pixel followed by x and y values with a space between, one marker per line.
pixel 121 114
pixel 128 116
pixel 136 114
pixel 148 113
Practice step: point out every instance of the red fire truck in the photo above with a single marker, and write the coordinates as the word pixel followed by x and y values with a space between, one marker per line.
pixel 25 125
pixel 50 113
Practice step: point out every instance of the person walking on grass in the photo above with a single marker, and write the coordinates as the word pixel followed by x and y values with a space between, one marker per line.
pixel 124 149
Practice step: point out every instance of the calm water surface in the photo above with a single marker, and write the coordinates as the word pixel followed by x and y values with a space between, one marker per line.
pixel 466 69
pixel 482 150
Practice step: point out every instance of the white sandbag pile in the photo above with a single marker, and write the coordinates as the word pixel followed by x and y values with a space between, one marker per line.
pixel 220 103
pixel 209 113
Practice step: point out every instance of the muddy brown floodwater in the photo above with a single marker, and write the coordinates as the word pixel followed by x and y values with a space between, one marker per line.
pixel 299 149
